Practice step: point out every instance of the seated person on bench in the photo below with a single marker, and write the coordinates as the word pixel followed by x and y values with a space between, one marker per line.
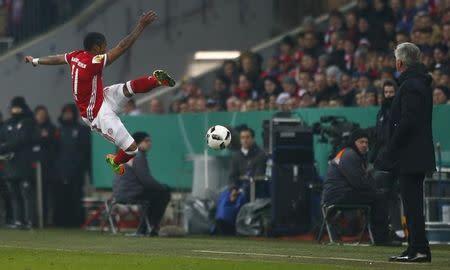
pixel 349 183
pixel 138 185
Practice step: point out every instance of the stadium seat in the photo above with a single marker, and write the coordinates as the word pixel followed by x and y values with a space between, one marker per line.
pixel 328 210
pixel 110 214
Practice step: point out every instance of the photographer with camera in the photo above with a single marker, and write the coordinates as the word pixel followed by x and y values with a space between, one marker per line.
pixel 348 182
pixel 16 140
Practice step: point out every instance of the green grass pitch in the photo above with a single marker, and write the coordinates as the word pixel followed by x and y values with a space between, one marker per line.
pixel 73 249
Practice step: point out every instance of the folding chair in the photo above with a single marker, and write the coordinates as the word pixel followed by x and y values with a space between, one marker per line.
pixel 110 215
pixel 328 210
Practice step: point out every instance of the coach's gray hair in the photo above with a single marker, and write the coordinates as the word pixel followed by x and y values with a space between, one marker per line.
pixel 408 53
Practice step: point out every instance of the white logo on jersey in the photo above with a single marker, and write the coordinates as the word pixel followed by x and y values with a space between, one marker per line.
pixel 98 59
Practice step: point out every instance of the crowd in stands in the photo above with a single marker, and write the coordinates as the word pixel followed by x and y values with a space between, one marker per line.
pixel 345 65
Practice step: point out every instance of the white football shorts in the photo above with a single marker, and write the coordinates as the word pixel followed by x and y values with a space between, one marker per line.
pixel 107 122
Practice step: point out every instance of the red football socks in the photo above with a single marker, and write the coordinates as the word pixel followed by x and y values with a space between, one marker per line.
pixel 122 157
pixel 143 84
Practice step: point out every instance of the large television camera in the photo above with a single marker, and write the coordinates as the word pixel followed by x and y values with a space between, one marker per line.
pixel 334 130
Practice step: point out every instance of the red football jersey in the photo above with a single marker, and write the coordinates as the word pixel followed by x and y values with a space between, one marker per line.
pixel 87 81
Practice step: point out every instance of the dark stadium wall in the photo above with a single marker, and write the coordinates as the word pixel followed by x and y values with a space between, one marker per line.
pixel 183 27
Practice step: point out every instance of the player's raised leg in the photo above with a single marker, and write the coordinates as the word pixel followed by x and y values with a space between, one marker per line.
pixel 146 83
pixel 123 156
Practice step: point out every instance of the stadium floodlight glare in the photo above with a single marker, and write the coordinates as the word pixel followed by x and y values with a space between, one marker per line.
pixel 216 55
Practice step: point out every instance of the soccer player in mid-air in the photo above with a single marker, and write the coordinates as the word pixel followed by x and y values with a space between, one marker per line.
pixel 99 106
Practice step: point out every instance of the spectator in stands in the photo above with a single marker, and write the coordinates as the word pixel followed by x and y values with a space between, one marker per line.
pixel 308 64
pixel 335 24
pixel 200 104
pixel 250 67
pixel 249 106
pixel 191 103
pixel 130 108
pixel 402 36
pixel 364 9
pixel 335 102
pixel 271 88
pixel 440 57
pixel 287 46
pixel 262 104
pixel 383 14
pixel 351 23
pixel 286 65
pixel 407 14
pixel 184 108
pixel 46 151
pixel 156 106
pixel 370 97
pixel 17 138
pixel 272 67
pixel 272 103
pixel 289 90
pixel 230 71
pixel 221 91
pixel 72 165
pixel 233 104
pixel 138 184
pixel 306 101
pixel 212 106
pixel 249 161
pixel 175 106
pixel 311 45
pixel 441 95
pixel 446 34
pixel 245 89
pixel 348 182
pixel 346 91
pixel 189 88
pixel 333 76
pixel 364 31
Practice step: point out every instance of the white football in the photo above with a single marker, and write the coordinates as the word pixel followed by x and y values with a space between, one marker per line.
pixel 218 137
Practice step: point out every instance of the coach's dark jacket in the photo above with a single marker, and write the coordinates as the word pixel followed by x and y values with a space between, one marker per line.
pixel 410 145
pixel 136 180
pixel 17 136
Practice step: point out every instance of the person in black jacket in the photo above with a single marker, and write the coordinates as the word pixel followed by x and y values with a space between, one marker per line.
pixel 16 139
pixel 71 166
pixel 138 184
pixel 385 181
pixel 248 161
pixel 410 150
pixel 348 182
pixel 45 152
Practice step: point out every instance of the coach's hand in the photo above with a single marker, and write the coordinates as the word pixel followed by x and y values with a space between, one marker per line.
pixel 29 59
pixel 147 18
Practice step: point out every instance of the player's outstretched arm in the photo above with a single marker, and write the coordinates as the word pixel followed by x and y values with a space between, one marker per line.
pixel 145 20
pixel 46 60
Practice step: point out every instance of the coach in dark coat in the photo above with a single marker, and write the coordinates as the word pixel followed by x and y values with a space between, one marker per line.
pixel 410 151
pixel 138 184
pixel 16 139
pixel 71 165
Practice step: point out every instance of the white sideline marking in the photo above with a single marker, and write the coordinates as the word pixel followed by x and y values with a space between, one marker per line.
pixel 287 256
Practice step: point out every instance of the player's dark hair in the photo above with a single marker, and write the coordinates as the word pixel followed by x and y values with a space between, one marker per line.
pixel 247 129
pixel 92 39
